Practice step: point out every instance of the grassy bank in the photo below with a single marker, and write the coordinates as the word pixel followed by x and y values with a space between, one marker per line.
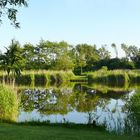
pixel 29 132
pixel 39 78
pixel 115 77
pixel 119 78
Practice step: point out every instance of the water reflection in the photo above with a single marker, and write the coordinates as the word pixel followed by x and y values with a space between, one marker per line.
pixel 132 121
pixel 81 104
pixel 117 109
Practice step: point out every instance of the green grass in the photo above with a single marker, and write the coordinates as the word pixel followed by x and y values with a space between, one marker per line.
pixel 28 132
pixel 119 78
pixel 39 78
pixel 8 104
pixel 115 77
pixel 79 79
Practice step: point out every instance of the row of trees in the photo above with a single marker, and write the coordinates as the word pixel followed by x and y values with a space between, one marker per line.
pixel 63 56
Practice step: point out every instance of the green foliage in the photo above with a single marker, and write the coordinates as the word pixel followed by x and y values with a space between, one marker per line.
pixel 64 62
pixel 47 55
pixel 43 78
pixel 104 68
pixel 111 78
pixel 28 54
pixel 114 63
pixel 134 105
pixel 104 54
pixel 8 104
pixel 132 122
pixel 132 53
pixel 12 60
pixel 9 8
pixel 86 56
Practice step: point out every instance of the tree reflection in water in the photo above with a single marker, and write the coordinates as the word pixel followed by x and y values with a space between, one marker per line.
pixel 100 108
pixel 132 121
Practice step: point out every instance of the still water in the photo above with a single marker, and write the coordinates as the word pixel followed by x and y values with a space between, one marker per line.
pixel 115 108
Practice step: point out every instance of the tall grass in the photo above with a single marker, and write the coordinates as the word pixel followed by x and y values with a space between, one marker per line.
pixel 43 78
pixel 115 77
pixel 8 104
pixel 49 78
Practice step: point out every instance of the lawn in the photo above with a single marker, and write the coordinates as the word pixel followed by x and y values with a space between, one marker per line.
pixel 29 132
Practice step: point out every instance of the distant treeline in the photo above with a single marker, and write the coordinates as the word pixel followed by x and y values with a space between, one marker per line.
pixel 47 55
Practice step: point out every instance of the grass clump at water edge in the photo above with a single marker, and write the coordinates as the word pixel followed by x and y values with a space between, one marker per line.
pixel 8 104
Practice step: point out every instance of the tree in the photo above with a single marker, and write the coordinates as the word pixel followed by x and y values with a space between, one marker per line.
pixel 64 62
pixel 28 54
pixel 56 55
pixel 125 48
pixel 132 53
pixel 12 60
pixel 49 52
pixel 9 8
pixel 104 54
pixel 87 55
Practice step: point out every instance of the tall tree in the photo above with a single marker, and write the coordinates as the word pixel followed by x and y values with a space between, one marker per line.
pixel 64 62
pixel 9 8
pixel 63 59
pixel 56 55
pixel 125 48
pixel 87 55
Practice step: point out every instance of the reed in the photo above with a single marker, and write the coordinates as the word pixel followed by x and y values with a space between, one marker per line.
pixel 114 77
pixel 8 104
pixel 38 78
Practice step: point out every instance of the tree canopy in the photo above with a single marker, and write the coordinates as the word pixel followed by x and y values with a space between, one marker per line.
pixel 80 58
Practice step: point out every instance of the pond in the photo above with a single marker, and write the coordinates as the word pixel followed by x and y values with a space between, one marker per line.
pixel 115 108
pixel 82 104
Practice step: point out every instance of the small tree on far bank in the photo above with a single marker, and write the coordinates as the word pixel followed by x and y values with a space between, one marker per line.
pixel 12 61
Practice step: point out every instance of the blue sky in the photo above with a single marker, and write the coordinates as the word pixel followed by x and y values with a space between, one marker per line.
pixel 76 21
